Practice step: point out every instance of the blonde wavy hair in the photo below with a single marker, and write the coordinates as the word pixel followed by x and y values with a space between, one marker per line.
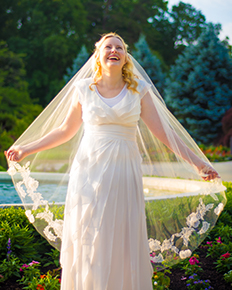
pixel 127 70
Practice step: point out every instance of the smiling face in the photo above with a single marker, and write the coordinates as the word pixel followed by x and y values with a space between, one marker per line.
pixel 112 54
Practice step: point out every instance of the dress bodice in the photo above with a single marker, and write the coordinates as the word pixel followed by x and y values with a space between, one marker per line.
pixel 95 112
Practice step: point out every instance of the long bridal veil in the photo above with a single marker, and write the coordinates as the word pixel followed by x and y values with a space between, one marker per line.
pixel 181 207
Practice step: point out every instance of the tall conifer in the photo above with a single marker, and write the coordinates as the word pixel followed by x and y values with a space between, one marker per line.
pixel 199 90
pixel 149 62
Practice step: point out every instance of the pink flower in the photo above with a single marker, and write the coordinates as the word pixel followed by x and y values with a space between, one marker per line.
pixel 152 254
pixel 226 255
pixel 193 261
pixel 209 243
pixel 219 240
pixel 33 262
pixel 23 266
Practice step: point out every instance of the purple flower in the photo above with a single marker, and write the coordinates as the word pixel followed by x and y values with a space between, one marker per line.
pixel 8 248
pixel 188 285
pixel 8 244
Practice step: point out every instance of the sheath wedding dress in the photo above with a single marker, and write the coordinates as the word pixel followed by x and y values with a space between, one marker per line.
pixel 105 243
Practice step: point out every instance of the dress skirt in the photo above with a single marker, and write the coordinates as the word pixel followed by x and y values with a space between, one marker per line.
pixel 105 244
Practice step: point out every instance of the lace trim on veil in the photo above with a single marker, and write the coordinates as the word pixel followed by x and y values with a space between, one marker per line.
pixel 195 223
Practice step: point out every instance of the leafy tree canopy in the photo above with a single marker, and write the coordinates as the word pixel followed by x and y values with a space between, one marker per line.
pixel 16 108
pixel 50 33
pixel 171 31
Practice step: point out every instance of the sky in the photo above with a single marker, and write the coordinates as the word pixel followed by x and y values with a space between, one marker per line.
pixel 216 11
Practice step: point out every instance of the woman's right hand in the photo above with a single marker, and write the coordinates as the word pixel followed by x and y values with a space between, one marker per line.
pixel 15 153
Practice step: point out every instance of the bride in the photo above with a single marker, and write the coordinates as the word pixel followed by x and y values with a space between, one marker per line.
pixel 104 239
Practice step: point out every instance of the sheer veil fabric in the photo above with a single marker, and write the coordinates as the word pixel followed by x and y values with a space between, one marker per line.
pixel 180 206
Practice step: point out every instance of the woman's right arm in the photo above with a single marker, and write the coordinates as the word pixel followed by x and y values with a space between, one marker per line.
pixel 54 138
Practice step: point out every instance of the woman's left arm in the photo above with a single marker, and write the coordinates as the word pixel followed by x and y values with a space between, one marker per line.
pixel 151 118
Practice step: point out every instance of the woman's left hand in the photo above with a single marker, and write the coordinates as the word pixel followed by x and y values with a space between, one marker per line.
pixel 207 172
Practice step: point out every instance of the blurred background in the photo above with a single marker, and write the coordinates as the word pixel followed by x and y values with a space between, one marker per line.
pixel 185 49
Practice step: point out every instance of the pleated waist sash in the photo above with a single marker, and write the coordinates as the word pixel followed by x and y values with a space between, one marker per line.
pixel 111 131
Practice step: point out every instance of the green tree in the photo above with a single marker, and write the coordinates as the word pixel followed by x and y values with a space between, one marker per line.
pixel 199 90
pixel 171 31
pixel 150 63
pixel 16 108
pixel 50 33
pixel 78 62
pixel 126 17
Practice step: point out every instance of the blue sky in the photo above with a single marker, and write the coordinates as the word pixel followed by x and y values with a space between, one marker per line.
pixel 216 11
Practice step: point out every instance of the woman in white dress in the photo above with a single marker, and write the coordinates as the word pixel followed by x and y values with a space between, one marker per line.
pixel 105 243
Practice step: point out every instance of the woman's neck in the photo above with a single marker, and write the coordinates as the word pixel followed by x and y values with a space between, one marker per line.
pixel 111 80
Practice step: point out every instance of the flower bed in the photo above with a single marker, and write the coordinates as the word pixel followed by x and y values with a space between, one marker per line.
pixel 216 154
pixel 27 261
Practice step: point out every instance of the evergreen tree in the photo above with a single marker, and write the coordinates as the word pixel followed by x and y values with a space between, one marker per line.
pixel 150 63
pixel 199 90
pixel 78 62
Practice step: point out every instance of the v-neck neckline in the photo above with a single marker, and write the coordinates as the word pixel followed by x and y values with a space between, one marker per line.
pixel 97 92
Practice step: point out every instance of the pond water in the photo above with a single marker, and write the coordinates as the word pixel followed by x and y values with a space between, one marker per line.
pixel 8 194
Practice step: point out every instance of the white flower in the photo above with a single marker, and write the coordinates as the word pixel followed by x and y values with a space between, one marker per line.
pixel 154 245
pixel 185 254
pixel 219 209
pixel 11 171
pixel 193 220
pixel 204 228
pixel 157 259
pixel 30 216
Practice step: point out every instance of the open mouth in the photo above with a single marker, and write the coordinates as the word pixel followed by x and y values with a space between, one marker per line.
pixel 113 57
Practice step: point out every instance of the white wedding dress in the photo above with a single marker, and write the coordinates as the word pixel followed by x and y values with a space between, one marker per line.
pixel 105 243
